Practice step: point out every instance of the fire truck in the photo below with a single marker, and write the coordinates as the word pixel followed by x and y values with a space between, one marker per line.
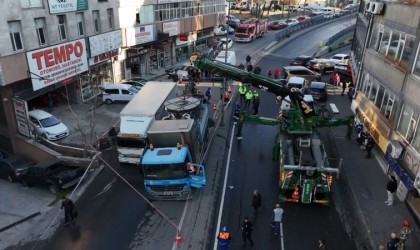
pixel 250 30
pixel 306 173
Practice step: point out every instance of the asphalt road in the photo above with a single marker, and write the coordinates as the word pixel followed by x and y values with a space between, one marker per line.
pixel 114 216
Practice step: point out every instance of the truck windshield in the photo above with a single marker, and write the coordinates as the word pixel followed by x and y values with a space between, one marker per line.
pixel 131 142
pixel 165 171
pixel 242 30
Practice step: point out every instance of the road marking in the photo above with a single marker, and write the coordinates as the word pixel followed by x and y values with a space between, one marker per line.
pixel 219 219
pixel 281 236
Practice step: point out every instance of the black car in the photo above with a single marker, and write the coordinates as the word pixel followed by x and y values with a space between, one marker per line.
pixel 12 167
pixel 54 174
pixel 301 60
pixel 318 90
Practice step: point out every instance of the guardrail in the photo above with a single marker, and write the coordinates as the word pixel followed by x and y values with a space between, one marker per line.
pixel 307 23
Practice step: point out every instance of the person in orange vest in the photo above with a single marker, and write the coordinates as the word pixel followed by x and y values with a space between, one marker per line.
pixel 226 96
pixel 224 239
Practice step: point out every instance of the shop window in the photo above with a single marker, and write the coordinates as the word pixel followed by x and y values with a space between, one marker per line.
pixel 15 35
pixel 30 3
pixel 62 27
pixel 41 31
pixel 80 24
pixel 96 21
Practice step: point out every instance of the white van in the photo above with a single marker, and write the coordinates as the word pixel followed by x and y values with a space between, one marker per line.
pixel 296 82
pixel 118 92
pixel 231 57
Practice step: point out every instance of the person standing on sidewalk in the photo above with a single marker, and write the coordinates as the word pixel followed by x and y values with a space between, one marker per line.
pixel 404 234
pixel 276 73
pixel 247 228
pixel 224 239
pixel 391 187
pixel 393 242
pixel 277 217
pixel 69 212
pixel 256 202
pixel 369 146
pixel 269 73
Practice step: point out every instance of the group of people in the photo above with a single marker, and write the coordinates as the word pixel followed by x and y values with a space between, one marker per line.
pixel 247 95
pixel 398 242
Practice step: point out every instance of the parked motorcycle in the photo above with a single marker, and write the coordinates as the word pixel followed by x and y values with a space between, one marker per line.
pixel 363 139
pixel 358 125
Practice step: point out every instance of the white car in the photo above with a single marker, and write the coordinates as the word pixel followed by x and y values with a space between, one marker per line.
pixel 222 30
pixel 227 43
pixel 329 16
pixel 338 58
pixel 291 22
pixel 47 125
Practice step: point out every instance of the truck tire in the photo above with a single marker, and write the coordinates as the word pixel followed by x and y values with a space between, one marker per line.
pixel 108 101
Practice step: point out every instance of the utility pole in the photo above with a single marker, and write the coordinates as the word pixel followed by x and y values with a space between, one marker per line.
pixel 224 88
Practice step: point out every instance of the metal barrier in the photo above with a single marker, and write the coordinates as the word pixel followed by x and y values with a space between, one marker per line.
pixel 338 35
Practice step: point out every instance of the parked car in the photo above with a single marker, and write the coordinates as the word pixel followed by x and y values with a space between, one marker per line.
pixel 136 82
pixel 339 58
pixel 302 18
pixel 118 93
pixel 277 25
pixel 226 42
pixel 300 71
pixel 222 29
pixel 292 22
pixel 321 65
pixel 318 90
pixel 232 21
pixel 46 125
pixel 54 174
pixel 329 16
pixel 12 167
pixel 301 60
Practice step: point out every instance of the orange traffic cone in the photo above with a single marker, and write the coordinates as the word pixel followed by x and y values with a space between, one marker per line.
pixel 178 238
pixel 295 195
pixel 214 107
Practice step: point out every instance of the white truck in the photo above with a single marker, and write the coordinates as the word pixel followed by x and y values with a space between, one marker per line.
pixel 136 118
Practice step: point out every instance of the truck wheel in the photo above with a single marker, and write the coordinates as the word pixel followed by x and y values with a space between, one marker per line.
pixel 108 101
pixel 53 188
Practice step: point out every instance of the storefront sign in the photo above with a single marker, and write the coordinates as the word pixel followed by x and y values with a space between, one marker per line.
pixel 103 57
pixel 141 34
pixel 21 117
pixel 172 28
pixel 61 6
pixel 56 63
pixel 105 42
pixel 192 37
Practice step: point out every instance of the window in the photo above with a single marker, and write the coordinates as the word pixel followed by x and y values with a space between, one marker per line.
pixel 62 27
pixel 386 37
pixel 407 123
pixel 15 37
pixel 40 31
pixel 110 13
pixel 80 24
pixel 30 3
pixel 96 21
pixel 147 14
pixel 408 51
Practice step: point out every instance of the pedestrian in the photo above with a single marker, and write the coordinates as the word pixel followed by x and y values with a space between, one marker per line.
pixel 224 239
pixel 322 244
pixel 256 202
pixel 240 125
pixel 369 146
pixel 257 70
pixel 343 88
pixel 208 94
pixel 277 217
pixel 248 59
pixel 242 91
pixel 256 105
pixel 112 134
pixel 179 77
pixel 248 98
pixel 391 187
pixel 249 67
pixel 226 96
pixel 269 73
pixel 337 80
pixel 276 73
pixel 255 94
pixel 69 211
pixel 247 228
pixel 404 234
pixel 393 242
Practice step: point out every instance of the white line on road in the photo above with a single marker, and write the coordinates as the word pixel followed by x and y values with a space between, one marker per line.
pixel 281 236
pixel 219 219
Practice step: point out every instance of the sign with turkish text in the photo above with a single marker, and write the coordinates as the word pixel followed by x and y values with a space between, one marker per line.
pixel 103 57
pixel 56 63
pixel 172 28
pixel 141 34
pixel 62 6
pixel 21 114
pixel 105 42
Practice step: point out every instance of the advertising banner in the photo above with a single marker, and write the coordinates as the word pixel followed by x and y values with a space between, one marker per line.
pixel 172 28
pixel 141 34
pixel 57 63
pixel 105 42
pixel 62 6
pixel 21 114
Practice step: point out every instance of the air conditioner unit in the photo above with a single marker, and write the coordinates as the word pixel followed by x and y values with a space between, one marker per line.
pixel 376 8
pixel 368 6
pixel 416 183
pixel 394 149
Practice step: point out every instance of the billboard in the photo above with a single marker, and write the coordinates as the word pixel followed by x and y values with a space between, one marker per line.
pixel 62 6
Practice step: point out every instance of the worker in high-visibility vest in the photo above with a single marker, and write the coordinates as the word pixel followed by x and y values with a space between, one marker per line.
pixel 242 91
pixel 224 239
pixel 248 97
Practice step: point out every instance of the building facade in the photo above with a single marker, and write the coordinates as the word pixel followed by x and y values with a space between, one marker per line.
pixel 69 49
pixel 386 69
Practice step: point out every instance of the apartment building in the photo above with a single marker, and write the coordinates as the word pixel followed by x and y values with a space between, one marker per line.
pixel 386 69
pixel 69 48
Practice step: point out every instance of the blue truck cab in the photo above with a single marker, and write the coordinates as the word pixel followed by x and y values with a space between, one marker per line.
pixel 167 175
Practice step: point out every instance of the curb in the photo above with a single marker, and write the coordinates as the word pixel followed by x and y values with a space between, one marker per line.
pixel 19 221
